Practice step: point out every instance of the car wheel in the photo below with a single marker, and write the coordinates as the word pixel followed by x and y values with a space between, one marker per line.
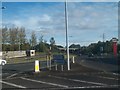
pixel 3 63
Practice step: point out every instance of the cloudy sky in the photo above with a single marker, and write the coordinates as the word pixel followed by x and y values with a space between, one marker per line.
pixel 87 21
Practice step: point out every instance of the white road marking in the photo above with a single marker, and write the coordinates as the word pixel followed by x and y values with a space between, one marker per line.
pixel 92 74
pixel 63 86
pixel 78 80
pixel 101 77
pixel 4 73
pixel 108 78
pixel 11 78
pixel 12 75
pixel 11 84
pixel 116 74
pixel 108 86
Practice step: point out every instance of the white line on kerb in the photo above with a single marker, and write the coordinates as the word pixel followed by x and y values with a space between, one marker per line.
pixel 64 86
pixel 78 80
pixel 11 84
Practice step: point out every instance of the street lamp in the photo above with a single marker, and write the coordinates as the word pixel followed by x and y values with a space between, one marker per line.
pixel 67 43
pixel 1 25
pixel 3 7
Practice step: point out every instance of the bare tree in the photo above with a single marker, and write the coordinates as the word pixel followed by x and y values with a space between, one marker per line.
pixel 13 38
pixel 41 39
pixel 5 35
pixel 21 37
pixel 33 40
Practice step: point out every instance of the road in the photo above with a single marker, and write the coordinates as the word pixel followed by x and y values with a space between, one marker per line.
pixel 19 76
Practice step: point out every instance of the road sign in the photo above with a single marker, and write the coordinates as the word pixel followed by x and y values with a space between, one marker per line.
pixel 59 59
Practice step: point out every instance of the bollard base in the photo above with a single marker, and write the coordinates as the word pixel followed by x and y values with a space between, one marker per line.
pixel 37 72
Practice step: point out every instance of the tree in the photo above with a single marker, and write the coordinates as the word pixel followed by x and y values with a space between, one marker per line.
pixel 41 39
pixel 13 38
pixel 4 37
pixel 75 46
pixel 21 37
pixel 42 45
pixel 33 40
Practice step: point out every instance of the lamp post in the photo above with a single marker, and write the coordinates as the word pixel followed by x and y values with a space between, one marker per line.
pixel 1 26
pixel 67 43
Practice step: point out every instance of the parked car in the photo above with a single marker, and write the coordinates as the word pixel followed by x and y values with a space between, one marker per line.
pixel 2 62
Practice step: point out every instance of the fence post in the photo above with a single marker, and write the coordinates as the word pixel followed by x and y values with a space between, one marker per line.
pixel 47 61
pixel 73 59
pixel 61 67
pixel 56 67
pixel 50 61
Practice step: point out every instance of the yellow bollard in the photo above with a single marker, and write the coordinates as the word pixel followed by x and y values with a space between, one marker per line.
pixel 37 66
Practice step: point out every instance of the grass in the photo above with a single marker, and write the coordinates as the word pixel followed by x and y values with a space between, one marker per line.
pixel 24 60
pixel 31 59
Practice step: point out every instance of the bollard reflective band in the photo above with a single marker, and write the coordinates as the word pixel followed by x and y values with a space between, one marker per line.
pixel 37 66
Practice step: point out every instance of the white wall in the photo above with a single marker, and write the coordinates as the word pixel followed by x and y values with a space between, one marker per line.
pixel 12 54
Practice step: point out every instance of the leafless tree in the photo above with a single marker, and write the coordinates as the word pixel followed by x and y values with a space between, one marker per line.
pixel 33 40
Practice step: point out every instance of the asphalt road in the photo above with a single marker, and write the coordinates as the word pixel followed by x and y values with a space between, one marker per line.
pixel 22 76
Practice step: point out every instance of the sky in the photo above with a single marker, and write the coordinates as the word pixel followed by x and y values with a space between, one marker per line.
pixel 87 21
pixel 60 0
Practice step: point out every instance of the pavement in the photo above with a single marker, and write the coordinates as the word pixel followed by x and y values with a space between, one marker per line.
pixel 23 77
pixel 109 64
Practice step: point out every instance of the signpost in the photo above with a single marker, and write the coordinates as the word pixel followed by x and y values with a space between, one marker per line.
pixel 59 60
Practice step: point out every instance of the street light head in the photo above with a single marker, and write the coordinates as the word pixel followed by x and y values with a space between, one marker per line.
pixel 3 7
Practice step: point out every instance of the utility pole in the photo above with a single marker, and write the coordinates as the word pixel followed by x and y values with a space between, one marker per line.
pixel 67 41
